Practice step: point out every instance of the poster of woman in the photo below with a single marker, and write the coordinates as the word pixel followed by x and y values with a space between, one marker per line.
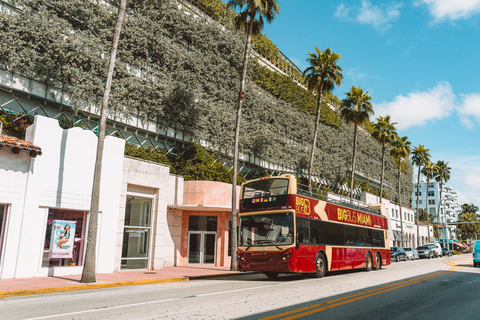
pixel 61 243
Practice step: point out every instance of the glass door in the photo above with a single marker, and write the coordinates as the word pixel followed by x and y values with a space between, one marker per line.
pixel 202 247
pixel 136 233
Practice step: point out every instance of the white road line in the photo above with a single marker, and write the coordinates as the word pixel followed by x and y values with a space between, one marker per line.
pixel 153 302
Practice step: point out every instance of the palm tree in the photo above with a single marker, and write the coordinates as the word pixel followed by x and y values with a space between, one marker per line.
pixel 400 151
pixel 469 228
pixel 357 109
pixel 322 76
pixel 89 272
pixel 469 208
pixel 252 15
pixel 385 132
pixel 442 175
pixel 420 156
pixel 429 172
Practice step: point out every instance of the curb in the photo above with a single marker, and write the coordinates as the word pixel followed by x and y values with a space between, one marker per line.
pixel 26 292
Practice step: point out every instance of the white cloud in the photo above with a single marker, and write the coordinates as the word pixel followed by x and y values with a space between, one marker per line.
pixel 417 108
pixel 465 175
pixel 470 108
pixel 379 16
pixel 451 9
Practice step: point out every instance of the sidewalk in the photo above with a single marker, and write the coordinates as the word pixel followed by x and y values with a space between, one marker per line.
pixel 29 286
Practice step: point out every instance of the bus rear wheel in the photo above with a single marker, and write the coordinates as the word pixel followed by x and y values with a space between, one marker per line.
pixel 320 265
pixel 271 275
pixel 378 261
pixel 369 261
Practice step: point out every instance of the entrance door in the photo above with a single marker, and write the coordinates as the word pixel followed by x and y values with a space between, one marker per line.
pixel 202 247
pixel 136 233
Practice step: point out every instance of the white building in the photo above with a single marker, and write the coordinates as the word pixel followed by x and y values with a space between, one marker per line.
pixel 429 199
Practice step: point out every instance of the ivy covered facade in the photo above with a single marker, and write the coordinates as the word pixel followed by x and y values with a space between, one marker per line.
pixel 176 80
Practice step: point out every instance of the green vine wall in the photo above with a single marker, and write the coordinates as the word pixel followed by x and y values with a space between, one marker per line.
pixel 185 72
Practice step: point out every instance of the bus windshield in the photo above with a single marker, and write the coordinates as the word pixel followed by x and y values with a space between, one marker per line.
pixel 265 188
pixel 266 229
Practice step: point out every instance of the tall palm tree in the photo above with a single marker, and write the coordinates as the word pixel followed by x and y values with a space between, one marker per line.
pixel 420 156
pixel 429 172
pixel 252 15
pixel 357 109
pixel 89 270
pixel 400 151
pixel 442 175
pixel 385 132
pixel 321 77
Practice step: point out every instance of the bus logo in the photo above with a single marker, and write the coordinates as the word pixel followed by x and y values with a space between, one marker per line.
pixel 303 206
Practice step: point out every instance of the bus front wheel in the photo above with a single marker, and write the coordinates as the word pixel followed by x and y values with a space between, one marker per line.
pixel 271 275
pixel 320 265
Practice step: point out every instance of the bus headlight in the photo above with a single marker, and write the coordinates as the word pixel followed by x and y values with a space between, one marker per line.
pixel 240 255
pixel 287 254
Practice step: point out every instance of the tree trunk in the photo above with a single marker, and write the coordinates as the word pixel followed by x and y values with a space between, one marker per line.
pixel 400 202
pixel 383 171
pixel 426 208
pixel 353 161
pixel 89 265
pixel 312 154
pixel 417 194
pixel 241 94
pixel 439 206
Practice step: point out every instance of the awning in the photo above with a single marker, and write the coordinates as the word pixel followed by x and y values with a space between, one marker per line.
pixel 398 235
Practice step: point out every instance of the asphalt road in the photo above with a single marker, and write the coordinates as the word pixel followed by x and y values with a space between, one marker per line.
pixel 443 288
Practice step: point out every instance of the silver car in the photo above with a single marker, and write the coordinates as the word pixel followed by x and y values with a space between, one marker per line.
pixel 412 253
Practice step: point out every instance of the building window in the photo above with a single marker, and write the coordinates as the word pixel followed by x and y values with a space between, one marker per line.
pixel 431 193
pixel 64 238
pixel 432 201
pixel 430 185
pixel 419 194
pixel 393 213
pixel 419 201
pixel 396 213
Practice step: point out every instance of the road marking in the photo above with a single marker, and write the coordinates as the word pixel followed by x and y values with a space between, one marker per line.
pixel 305 311
pixel 156 301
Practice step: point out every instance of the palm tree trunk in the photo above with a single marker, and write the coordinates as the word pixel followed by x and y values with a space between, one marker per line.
pixel 418 220
pixel 241 94
pixel 426 208
pixel 400 202
pixel 89 265
pixel 312 154
pixel 383 171
pixel 353 161
pixel 439 206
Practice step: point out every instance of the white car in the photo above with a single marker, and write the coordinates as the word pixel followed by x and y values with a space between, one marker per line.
pixel 435 246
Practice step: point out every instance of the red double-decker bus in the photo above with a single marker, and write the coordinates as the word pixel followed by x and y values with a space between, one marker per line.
pixel 284 229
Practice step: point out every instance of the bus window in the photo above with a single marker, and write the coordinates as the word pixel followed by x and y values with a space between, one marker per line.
pixel 350 236
pixel 303 227
pixel 334 234
pixel 378 238
pixel 365 236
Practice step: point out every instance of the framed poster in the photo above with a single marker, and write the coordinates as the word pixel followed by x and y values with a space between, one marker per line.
pixel 62 239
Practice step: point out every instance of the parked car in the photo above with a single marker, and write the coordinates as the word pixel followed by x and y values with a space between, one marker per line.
pixel 476 254
pixel 436 248
pixel 446 252
pixel 412 253
pixel 398 254
pixel 425 252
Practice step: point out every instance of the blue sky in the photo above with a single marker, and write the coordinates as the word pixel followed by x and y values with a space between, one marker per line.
pixel 420 59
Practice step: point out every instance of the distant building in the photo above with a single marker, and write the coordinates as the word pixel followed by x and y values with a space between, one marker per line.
pixel 429 199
